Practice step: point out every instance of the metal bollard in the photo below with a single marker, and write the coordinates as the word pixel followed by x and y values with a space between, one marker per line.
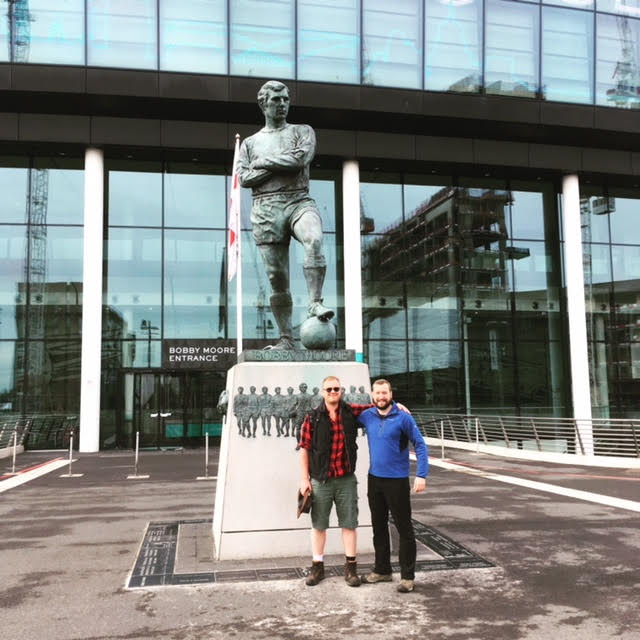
pixel 135 464
pixel 15 448
pixel 206 461
pixel 71 475
pixel 135 475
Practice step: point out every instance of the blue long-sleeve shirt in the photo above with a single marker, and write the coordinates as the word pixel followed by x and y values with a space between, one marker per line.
pixel 388 438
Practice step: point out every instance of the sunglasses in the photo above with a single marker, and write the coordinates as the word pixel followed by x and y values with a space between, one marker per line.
pixel 332 389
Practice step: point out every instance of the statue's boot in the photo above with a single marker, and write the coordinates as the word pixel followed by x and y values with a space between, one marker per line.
pixel 315 279
pixel 282 305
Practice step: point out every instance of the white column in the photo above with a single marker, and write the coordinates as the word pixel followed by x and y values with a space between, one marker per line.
pixel 574 273
pixel 92 301
pixel 352 257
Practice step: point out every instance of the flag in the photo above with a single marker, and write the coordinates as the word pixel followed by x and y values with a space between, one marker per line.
pixel 233 246
pixel 234 259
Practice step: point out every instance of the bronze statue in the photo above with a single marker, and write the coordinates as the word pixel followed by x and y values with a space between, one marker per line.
pixel 274 162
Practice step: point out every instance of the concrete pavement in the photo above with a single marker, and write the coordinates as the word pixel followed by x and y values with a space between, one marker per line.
pixel 563 567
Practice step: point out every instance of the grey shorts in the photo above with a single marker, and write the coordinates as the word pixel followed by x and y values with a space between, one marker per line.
pixel 273 216
pixel 342 491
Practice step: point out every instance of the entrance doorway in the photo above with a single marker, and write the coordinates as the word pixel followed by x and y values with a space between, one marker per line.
pixel 170 409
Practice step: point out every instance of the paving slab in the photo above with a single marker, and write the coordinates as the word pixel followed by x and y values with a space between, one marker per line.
pixel 560 567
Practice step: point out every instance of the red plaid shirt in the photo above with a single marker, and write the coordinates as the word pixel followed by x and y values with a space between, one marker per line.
pixel 338 464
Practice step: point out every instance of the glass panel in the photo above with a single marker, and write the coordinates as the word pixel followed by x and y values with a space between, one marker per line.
pixel 13 187
pixel 616 44
pixel 527 214
pixel 383 270
pixel 512 54
pixel 383 265
pixel 626 267
pixel 621 7
pixel 386 358
pixel 122 33
pixel 594 214
pixel 65 196
pixel 194 284
pixel 597 276
pixel 478 251
pixel 454 45
pixel 194 200
pixel 392 43
pixel 383 261
pixel 567 60
pixel 623 353
pixel 575 4
pixel 193 35
pixel 531 266
pixel 324 193
pixel 61 307
pixel 4 36
pixel 541 377
pixel 56 32
pixel 133 284
pixel 329 41
pixel 436 375
pixel 13 251
pixel 381 205
pixel 624 217
pixel 491 370
pixel 432 302
pixel 8 397
pixel 597 260
pixel 141 353
pixel 135 198
pixel 52 386
pixel 262 38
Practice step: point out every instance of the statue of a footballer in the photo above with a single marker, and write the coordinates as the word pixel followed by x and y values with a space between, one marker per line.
pixel 274 163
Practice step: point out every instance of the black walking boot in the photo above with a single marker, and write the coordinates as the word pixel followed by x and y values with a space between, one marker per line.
pixel 351 574
pixel 316 573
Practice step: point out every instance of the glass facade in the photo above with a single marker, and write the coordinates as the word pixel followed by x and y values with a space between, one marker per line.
pixel 41 242
pixel 165 278
pixel 462 293
pixel 463 302
pixel 611 238
pixel 571 51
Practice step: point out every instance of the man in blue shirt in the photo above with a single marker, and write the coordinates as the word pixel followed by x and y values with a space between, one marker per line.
pixel 389 432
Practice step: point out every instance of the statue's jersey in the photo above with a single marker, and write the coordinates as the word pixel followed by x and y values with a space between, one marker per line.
pixel 283 156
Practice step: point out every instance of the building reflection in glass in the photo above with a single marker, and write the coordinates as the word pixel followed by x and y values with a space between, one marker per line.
pixel 452 280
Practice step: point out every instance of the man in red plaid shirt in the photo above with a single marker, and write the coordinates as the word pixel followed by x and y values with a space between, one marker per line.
pixel 328 461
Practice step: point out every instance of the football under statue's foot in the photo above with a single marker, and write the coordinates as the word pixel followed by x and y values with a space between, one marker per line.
pixel 321 312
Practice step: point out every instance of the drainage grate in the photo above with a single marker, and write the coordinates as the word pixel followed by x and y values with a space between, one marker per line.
pixel 155 563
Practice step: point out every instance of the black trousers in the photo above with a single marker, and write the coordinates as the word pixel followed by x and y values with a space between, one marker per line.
pixel 392 495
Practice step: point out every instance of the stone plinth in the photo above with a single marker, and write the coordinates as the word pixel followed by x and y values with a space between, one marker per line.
pixel 258 477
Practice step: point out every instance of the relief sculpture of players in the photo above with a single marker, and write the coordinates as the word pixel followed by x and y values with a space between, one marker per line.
pixel 274 163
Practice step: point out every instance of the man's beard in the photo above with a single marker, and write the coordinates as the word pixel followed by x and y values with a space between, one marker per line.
pixel 383 404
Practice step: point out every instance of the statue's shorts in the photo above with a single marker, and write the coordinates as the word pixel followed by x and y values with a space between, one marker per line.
pixel 274 215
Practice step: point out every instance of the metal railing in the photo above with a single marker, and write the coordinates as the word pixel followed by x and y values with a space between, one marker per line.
pixel 13 429
pixel 598 436
pixel 37 431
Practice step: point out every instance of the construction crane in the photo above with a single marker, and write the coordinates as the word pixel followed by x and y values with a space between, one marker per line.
pixel 19 30
pixel 35 275
pixel 625 94
pixel 36 278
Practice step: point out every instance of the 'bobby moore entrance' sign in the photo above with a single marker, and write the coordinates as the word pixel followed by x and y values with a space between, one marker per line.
pixel 214 355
